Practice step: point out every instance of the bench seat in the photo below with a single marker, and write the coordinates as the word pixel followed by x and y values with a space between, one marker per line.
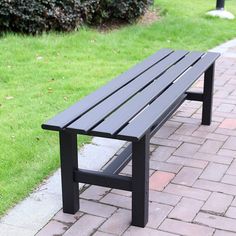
pixel 136 101
pixel 131 107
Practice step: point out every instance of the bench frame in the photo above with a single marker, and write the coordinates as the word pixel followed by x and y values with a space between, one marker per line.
pixel 139 152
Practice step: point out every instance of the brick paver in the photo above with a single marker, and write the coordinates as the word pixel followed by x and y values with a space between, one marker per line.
pixel 232 168
pixel 230 143
pixel 165 166
pixel 165 198
pixel 225 108
pixel 85 226
pixel 225 132
pixel 94 192
pixel 229 179
pixel 219 137
pixel 211 146
pixel 157 213
pixel 122 192
pixel 53 228
pixel 210 172
pixel 135 231
pixel 217 203
pixel 214 221
pixel 186 209
pixel 187 150
pixel 165 142
pixel 183 228
pixel 186 129
pixel 228 124
pixel 227 152
pixel 234 202
pixel 188 162
pixel 192 176
pixel 117 223
pixel 187 176
pixel 223 233
pixel 117 200
pixel 213 158
pixel 216 186
pixel 187 139
pixel 99 233
pixel 231 212
pixel 185 191
pixel 165 131
pixel 160 179
pixel 162 153
pixel 66 218
pixel 96 208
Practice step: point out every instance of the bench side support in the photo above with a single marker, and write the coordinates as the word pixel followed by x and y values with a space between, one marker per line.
pixel 208 95
pixel 69 163
pixel 140 181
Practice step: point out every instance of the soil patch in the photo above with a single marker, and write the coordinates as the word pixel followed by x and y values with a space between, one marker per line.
pixel 148 18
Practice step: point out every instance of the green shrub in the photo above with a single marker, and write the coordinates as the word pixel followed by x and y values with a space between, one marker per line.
pixel 36 16
pixel 99 11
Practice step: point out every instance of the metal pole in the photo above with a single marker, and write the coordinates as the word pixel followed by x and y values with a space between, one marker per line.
pixel 220 4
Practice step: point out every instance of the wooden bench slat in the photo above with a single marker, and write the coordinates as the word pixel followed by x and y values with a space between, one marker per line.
pixel 102 110
pixel 142 123
pixel 67 116
pixel 126 112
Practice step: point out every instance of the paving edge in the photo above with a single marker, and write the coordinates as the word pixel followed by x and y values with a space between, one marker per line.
pixel 30 215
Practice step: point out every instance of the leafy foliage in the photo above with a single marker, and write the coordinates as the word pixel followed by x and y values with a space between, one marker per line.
pixel 99 11
pixel 36 16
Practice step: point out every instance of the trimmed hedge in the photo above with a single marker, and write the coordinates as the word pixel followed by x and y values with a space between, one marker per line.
pixel 100 11
pixel 36 16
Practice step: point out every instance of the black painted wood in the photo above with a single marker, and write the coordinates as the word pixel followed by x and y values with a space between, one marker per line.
pixel 126 112
pixel 118 164
pixel 69 162
pixel 116 109
pixel 69 115
pixel 102 110
pixel 208 95
pixel 140 181
pixel 194 96
pixel 139 126
pixel 103 179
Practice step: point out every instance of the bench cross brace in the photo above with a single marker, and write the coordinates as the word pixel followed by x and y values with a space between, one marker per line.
pixel 103 179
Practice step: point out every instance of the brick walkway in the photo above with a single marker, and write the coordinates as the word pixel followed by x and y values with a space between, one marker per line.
pixel 192 176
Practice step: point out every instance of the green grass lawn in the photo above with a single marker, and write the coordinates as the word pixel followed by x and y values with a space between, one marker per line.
pixel 40 76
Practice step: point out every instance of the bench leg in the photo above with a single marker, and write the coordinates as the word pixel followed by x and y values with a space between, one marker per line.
pixel 140 181
pixel 208 95
pixel 69 162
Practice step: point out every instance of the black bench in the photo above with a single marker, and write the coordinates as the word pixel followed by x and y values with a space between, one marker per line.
pixel 131 107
